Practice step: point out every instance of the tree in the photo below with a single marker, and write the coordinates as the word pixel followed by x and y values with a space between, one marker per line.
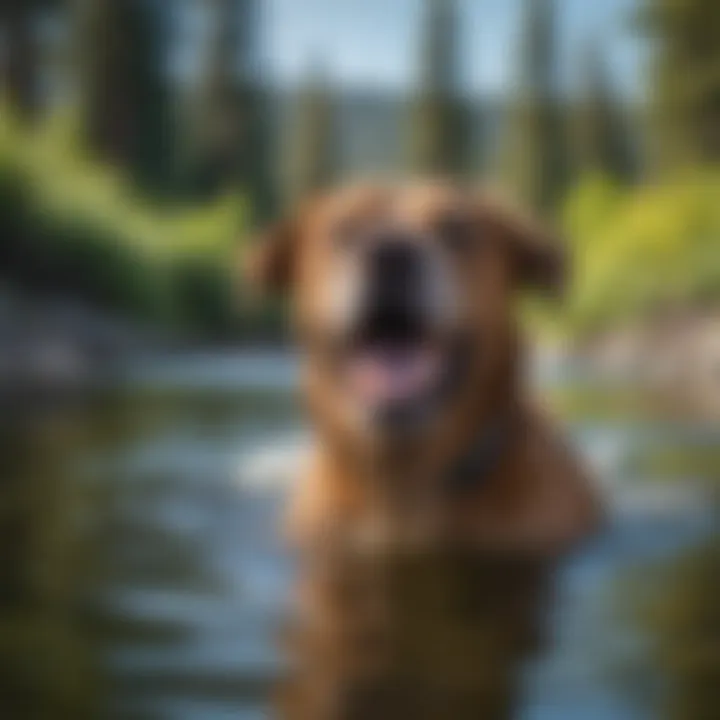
pixel 535 153
pixel 21 67
pixel 439 132
pixel 685 118
pixel 233 126
pixel 154 145
pixel 217 122
pixel 123 95
pixel 314 148
pixel 600 133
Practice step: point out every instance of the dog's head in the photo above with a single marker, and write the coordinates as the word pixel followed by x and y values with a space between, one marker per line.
pixel 403 296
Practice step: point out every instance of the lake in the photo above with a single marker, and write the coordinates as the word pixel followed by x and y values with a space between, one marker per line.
pixel 141 575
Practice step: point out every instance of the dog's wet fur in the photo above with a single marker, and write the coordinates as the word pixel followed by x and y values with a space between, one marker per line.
pixel 417 601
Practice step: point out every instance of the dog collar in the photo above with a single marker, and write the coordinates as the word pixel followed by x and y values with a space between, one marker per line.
pixel 476 467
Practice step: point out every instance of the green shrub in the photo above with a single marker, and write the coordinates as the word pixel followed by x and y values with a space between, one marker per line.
pixel 73 228
pixel 642 251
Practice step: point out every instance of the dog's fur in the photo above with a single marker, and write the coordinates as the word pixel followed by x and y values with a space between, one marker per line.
pixel 415 603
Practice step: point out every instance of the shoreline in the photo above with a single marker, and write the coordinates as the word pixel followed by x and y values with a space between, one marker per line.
pixel 678 355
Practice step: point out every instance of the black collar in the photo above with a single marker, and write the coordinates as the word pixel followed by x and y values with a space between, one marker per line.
pixel 477 465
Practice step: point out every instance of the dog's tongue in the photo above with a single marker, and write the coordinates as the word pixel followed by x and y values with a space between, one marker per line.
pixel 388 374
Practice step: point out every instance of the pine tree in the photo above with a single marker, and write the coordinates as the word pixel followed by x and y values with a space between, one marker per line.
pixel 439 128
pixel 21 62
pixel 535 152
pixel 685 119
pixel 256 165
pixel 313 153
pixel 218 120
pixel 154 144
pixel 601 141
pixel 232 124
pixel 100 62
pixel 121 85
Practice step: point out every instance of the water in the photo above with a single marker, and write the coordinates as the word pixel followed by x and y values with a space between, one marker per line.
pixel 141 574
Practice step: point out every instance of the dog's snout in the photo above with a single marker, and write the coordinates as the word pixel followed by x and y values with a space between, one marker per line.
pixel 392 310
pixel 396 268
pixel 395 259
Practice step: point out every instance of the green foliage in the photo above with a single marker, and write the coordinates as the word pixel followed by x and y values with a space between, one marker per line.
pixel 644 251
pixel 202 296
pixel 73 228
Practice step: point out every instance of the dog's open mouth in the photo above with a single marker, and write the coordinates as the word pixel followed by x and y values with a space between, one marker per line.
pixel 389 373
pixel 395 363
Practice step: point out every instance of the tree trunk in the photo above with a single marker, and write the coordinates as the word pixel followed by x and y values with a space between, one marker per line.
pixel 21 60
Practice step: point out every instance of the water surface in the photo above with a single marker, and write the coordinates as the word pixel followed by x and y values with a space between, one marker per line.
pixel 141 574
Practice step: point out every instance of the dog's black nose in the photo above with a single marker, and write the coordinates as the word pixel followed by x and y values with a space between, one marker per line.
pixel 395 266
pixel 393 308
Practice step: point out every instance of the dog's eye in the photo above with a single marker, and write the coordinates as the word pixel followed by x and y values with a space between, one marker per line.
pixel 456 231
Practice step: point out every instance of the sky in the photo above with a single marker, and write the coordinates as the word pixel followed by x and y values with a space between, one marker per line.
pixel 373 43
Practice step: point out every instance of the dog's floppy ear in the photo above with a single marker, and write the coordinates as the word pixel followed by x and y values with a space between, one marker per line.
pixel 267 264
pixel 541 259
pixel 539 256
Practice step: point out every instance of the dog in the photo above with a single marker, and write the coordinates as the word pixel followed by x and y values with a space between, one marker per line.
pixel 437 500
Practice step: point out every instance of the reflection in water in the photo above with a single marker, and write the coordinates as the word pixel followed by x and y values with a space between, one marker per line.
pixel 420 634
pixel 675 605
pixel 140 577
pixel 47 665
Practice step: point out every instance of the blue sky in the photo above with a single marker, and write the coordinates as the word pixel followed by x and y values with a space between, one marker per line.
pixel 373 42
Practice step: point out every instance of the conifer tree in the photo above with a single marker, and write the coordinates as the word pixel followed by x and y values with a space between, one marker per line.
pixel 535 152
pixel 233 121
pixel 313 151
pixel 21 62
pixel 601 141
pixel 439 128
pixel 685 118
pixel 123 97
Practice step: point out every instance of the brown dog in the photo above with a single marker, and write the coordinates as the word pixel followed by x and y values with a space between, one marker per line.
pixel 437 501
